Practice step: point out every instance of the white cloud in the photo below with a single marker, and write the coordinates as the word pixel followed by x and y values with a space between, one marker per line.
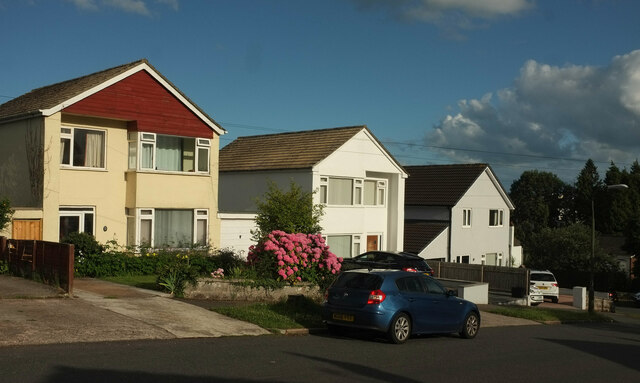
pixel 129 6
pixel 573 111
pixel 89 5
pixel 449 15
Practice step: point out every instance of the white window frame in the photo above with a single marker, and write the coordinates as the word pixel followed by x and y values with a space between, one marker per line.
pixel 499 217
pixel 466 217
pixel 68 132
pixel 357 193
pixel 381 188
pixel 324 190
pixel 358 190
pixel 150 139
pixel 80 212
pixel 201 215
pixel 149 214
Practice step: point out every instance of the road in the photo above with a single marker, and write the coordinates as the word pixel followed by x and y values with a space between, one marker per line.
pixel 584 353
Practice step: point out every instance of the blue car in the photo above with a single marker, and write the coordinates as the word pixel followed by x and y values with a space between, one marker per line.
pixel 398 303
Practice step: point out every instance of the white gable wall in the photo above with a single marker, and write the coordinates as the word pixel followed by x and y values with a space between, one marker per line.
pixel 438 248
pixel 480 239
pixel 361 157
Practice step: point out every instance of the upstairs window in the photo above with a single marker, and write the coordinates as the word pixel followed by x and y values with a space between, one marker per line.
pixel 150 151
pixel 495 217
pixel 466 217
pixel 83 148
pixel 352 192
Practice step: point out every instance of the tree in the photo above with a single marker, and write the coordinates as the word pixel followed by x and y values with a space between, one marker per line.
pixel 540 199
pixel 290 211
pixel 615 207
pixel 6 213
pixel 588 186
pixel 566 249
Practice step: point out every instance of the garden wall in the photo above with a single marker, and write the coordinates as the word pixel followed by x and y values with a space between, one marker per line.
pixel 238 290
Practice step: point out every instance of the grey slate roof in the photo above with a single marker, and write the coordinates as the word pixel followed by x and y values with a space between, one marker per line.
pixel 417 235
pixel 294 150
pixel 52 95
pixel 440 185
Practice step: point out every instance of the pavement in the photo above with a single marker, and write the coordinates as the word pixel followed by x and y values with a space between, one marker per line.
pixel 33 313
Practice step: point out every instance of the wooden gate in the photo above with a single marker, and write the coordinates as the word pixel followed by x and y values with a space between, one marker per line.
pixel 27 229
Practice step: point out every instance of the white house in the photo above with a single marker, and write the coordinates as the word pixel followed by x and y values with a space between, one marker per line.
pixel 360 183
pixel 459 213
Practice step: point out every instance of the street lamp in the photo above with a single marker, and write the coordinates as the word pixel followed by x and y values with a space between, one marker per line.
pixel 593 245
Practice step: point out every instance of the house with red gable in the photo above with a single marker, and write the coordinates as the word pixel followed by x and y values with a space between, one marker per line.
pixel 121 154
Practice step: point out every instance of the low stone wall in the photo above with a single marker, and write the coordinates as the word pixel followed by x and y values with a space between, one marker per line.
pixel 234 290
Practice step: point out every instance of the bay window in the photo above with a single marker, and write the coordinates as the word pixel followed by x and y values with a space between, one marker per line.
pixel 151 151
pixel 172 227
pixel 352 192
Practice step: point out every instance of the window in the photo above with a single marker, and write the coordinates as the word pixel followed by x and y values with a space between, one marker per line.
pixel 172 227
pixel 352 192
pixel 495 217
pixel 324 185
pixel 462 259
pixel 356 245
pixel 357 192
pixel 340 191
pixel 83 148
pixel 76 220
pixel 150 151
pixel 340 245
pixel 434 287
pixel 410 285
pixel 466 217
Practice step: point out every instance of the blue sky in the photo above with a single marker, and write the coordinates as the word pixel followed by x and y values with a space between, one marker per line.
pixel 519 84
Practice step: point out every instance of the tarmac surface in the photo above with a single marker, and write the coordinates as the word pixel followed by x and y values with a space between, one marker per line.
pixel 32 313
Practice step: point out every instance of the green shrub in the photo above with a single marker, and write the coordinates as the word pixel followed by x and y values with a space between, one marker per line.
pixel 84 243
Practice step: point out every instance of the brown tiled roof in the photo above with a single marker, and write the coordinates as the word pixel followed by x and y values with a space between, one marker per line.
pixel 440 185
pixel 52 95
pixel 295 150
pixel 417 235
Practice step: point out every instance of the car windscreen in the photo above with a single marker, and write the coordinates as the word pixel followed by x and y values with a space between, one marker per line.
pixel 358 281
pixel 544 277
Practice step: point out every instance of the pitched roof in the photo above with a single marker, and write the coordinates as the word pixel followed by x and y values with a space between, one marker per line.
pixel 440 185
pixel 51 98
pixel 418 235
pixel 295 150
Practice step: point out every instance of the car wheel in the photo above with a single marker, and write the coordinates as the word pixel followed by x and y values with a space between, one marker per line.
pixel 400 329
pixel 554 299
pixel 471 326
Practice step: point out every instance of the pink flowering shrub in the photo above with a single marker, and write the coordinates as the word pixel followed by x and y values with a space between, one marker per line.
pixel 294 257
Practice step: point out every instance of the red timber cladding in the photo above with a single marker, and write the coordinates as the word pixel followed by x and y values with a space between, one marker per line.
pixel 142 99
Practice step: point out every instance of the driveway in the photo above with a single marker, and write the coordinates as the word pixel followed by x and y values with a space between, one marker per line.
pixel 33 313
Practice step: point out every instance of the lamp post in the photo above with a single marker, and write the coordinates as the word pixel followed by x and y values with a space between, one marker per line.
pixel 593 246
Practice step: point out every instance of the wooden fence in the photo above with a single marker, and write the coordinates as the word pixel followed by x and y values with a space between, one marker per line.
pixel 507 279
pixel 50 262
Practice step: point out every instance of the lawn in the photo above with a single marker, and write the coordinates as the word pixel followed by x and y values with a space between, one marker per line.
pixel 302 313
pixel 540 314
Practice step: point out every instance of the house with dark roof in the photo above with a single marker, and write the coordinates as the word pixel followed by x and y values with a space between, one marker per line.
pixel 353 175
pixel 459 213
pixel 121 154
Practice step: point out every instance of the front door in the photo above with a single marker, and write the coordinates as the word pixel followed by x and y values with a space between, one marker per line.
pixel 27 229
pixel 373 242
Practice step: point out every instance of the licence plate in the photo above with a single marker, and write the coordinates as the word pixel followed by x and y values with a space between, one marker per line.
pixel 343 317
pixel 542 287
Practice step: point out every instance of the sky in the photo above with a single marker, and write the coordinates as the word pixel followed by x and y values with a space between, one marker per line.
pixel 517 84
